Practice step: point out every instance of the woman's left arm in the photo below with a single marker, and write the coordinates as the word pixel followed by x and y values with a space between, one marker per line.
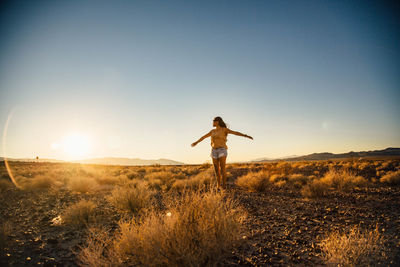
pixel 239 134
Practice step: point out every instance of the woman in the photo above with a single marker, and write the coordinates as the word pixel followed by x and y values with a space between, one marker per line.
pixel 219 149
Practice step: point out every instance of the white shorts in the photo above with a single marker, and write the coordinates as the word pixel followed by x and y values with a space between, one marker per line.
pixel 219 152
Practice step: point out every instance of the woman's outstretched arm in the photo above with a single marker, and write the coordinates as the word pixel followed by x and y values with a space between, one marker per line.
pixel 202 138
pixel 239 134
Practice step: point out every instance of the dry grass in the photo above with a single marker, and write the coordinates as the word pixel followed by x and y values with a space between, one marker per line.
pixel 160 180
pixel 297 180
pixel 254 181
pixel 392 178
pixel 342 180
pixel 198 229
pixel 82 184
pixel 354 248
pixel 201 180
pixel 132 197
pixel 315 189
pixel 41 182
pixel 163 180
pixel 80 214
pixel 108 180
pixel 97 252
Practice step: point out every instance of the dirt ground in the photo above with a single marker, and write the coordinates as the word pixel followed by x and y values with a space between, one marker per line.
pixel 282 228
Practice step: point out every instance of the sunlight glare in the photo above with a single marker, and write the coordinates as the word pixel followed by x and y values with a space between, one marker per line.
pixel 76 146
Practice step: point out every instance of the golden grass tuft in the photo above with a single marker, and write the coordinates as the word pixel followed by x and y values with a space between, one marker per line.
pixel 41 182
pixel 391 178
pixel 97 252
pixel 82 184
pixel 354 247
pixel 161 180
pixel 342 180
pixel 297 180
pixel 315 189
pixel 254 181
pixel 133 197
pixel 198 229
pixel 108 180
pixel 201 180
pixel 80 214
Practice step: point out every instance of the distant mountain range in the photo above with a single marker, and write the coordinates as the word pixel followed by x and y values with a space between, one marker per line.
pixel 388 152
pixel 270 159
pixel 107 161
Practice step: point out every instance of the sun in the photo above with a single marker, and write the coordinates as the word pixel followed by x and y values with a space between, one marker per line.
pixel 76 146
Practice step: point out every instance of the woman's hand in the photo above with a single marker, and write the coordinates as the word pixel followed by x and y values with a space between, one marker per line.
pixel 202 138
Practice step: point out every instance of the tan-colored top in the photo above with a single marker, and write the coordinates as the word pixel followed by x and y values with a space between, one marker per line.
pixel 218 137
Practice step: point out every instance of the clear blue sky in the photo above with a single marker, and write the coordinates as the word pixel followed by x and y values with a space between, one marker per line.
pixel 145 78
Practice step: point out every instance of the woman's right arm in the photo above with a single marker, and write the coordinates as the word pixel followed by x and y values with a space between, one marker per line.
pixel 202 138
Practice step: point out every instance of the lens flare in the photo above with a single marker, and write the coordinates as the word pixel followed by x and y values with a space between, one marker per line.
pixel 10 174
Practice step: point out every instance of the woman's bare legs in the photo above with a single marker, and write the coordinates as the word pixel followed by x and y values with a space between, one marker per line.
pixel 217 171
pixel 222 163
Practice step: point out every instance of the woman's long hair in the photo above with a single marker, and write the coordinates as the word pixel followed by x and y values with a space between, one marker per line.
pixel 220 122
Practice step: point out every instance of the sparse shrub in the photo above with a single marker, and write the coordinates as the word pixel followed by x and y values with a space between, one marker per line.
pixel 190 170
pixel 80 214
pixel 97 252
pixel 342 180
pixel 276 178
pixel 109 180
pixel 198 230
pixel 41 182
pixel 82 184
pixel 156 184
pixel 132 197
pixel 161 180
pixel 354 248
pixel 284 167
pixel 206 165
pixel 392 178
pixel 315 189
pixel 135 174
pixel 202 180
pixel 254 181
pixel 297 180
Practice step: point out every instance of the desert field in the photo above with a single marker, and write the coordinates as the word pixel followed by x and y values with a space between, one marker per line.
pixel 342 212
